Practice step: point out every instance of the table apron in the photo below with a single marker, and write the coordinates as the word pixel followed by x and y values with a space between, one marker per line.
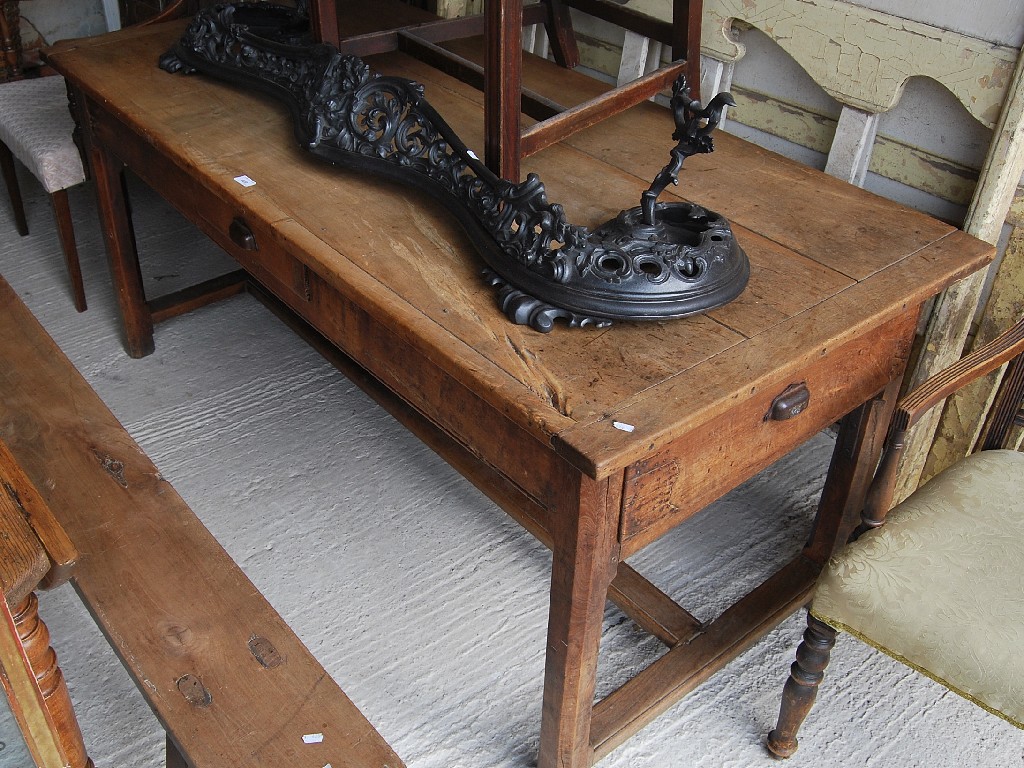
pixel 688 474
pixel 467 418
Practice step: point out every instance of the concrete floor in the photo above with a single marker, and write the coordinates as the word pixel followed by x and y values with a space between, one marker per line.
pixel 423 600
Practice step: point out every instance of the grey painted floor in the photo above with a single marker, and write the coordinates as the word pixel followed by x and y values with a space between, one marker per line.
pixel 423 600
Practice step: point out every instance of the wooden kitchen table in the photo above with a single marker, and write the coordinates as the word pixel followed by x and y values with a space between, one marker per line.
pixel 539 421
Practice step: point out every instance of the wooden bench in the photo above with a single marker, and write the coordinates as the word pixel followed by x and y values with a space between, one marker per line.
pixel 226 676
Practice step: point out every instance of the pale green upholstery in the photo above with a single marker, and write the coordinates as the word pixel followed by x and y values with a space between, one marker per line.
pixel 940 586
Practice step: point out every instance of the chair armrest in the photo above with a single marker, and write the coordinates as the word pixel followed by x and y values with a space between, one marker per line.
pixel 913 405
pixel 918 401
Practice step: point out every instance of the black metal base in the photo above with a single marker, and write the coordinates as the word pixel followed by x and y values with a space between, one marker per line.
pixel 657 261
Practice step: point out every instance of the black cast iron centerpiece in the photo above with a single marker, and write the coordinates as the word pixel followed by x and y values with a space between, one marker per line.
pixel 652 262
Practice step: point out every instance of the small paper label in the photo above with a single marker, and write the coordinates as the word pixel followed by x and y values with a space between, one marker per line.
pixel 623 426
pixel 313 738
pixel 245 181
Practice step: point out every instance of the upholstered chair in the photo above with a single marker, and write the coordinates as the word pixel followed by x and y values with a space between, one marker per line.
pixel 36 128
pixel 939 586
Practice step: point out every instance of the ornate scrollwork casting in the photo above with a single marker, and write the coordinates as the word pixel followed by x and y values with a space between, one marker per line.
pixel 657 261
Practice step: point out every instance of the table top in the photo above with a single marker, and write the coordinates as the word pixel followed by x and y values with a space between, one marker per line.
pixel 829 262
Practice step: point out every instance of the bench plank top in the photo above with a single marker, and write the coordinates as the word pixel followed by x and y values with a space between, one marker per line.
pixel 223 672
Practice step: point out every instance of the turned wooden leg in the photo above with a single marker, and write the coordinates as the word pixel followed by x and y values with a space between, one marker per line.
pixel 35 638
pixel 804 677
pixel 66 234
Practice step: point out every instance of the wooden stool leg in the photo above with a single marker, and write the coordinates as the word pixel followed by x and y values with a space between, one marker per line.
pixel 561 35
pixel 66 234
pixel 35 638
pixel 802 687
pixel 13 189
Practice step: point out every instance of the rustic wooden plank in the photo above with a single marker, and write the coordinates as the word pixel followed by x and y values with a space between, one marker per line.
pixel 60 552
pixel 559 377
pixel 851 231
pixel 24 561
pixel 734 378
pixel 537 107
pixel 651 608
pixel 143 550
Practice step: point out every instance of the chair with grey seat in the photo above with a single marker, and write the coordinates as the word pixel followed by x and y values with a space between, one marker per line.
pixel 37 129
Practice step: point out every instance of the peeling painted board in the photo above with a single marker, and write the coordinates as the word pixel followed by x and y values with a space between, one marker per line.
pixel 851 149
pixel 997 21
pixel 599 55
pixel 780 118
pixel 956 308
pixel 966 413
pixel 863 58
pixel 923 170
pixel 897 161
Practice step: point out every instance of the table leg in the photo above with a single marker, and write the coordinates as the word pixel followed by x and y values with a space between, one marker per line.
pixel 584 560
pixel 35 639
pixel 122 254
pixel 858 449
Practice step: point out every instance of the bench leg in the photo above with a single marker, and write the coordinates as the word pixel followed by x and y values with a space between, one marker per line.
pixel 174 757
pixel 13 189
pixel 66 234
pixel 35 638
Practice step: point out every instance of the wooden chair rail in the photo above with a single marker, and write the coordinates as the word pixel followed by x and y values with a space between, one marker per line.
pixel 558 127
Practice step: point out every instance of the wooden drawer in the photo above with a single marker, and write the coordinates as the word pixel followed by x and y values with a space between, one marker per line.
pixel 689 474
pixel 255 247
pixel 249 241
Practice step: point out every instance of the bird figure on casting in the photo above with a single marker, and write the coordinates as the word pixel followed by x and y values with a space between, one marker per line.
pixel 694 125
